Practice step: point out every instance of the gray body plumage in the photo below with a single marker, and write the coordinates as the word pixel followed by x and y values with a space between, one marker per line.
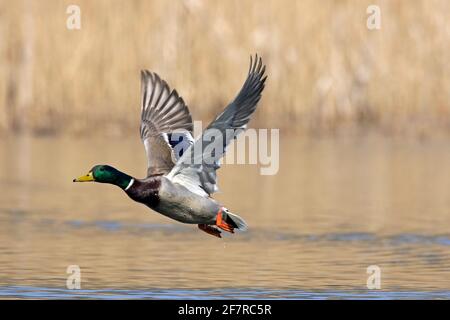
pixel 178 203
pixel 174 200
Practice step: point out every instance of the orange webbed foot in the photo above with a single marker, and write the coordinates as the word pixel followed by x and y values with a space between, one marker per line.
pixel 210 230
pixel 222 224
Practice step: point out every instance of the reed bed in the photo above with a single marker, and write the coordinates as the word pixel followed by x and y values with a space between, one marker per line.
pixel 326 68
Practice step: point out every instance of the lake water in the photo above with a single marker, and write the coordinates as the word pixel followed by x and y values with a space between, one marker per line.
pixel 336 207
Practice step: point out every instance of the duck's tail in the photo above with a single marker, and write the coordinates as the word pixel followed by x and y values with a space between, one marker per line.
pixel 234 220
pixel 238 221
pixel 226 221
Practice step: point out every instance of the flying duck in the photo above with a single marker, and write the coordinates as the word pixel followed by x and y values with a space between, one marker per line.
pixel 181 173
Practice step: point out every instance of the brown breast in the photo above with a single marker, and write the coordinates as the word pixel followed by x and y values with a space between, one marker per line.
pixel 146 191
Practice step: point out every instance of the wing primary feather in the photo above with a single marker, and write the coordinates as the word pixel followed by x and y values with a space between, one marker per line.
pixel 158 92
pixel 143 90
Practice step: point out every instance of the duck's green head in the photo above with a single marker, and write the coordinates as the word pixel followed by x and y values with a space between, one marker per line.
pixel 106 174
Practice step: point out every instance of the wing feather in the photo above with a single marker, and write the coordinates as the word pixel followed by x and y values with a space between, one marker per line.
pixel 197 167
pixel 163 112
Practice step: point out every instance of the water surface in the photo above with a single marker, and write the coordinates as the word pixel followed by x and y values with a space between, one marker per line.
pixel 335 207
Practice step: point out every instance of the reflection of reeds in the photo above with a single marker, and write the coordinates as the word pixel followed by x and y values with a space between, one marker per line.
pixel 325 68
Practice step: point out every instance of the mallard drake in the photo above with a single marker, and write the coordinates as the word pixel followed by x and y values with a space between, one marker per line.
pixel 181 173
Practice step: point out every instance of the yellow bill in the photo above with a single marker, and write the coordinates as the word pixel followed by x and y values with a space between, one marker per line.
pixel 86 178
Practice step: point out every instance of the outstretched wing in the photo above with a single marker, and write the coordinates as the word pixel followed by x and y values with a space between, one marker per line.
pixel 166 124
pixel 196 169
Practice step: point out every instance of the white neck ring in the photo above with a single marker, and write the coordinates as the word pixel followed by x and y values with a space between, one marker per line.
pixel 129 185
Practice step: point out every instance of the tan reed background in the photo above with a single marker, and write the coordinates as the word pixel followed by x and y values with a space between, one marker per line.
pixel 326 69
